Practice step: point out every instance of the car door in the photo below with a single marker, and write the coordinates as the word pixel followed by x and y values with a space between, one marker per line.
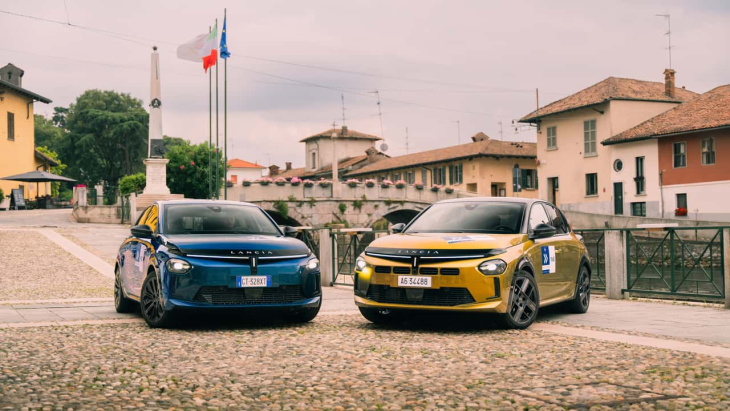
pixel 140 248
pixel 129 257
pixel 567 253
pixel 543 254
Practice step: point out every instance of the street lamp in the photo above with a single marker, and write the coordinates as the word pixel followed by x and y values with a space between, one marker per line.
pixel 335 168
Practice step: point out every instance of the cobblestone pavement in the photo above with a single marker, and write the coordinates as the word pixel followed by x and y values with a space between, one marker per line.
pixel 343 362
pixel 33 267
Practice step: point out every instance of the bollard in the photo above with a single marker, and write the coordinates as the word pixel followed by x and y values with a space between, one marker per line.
pixel 615 264
pixel 325 257
pixel 726 264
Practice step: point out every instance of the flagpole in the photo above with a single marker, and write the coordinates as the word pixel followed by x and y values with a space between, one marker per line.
pixel 217 145
pixel 210 131
pixel 225 115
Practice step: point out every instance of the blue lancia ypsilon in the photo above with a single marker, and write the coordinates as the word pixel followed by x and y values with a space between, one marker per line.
pixel 204 254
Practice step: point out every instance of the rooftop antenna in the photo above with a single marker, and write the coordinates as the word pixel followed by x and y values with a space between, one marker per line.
pixel 501 136
pixel 380 114
pixel 342 95
pixel 458 131
pixel 406 139
pixel 668 34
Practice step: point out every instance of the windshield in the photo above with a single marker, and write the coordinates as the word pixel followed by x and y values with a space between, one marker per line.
pixel 217 219
pixel 470 217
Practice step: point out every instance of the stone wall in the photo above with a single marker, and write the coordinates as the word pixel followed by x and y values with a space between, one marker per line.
pixel 98 214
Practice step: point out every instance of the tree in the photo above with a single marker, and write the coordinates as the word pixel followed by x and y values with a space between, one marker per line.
pixel 47 134
pixel 107 136
pixel 58 170
pixel 170 142
pixel 187 171
pixel 133 183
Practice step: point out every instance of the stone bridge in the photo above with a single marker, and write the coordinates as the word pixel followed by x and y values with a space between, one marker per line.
pixel 358 206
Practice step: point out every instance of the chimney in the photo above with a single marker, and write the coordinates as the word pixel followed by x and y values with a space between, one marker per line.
pixel 669 83
pixel 372 154
pixel 273 170
pixel 479 137
pixel 12 75
pixel 288 166
pixel 344 131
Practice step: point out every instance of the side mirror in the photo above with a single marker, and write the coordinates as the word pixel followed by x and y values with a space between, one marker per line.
pixel 142 231
pixel 542 231
pixel 290 231
pixel 398 228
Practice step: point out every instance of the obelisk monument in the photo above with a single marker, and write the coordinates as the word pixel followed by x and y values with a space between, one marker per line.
pixel 155 162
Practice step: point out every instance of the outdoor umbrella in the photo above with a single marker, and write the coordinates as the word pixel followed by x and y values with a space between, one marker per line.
pixel 37 176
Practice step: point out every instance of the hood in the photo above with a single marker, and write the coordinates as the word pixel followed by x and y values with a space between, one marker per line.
pixel 237 245
pixel 441 246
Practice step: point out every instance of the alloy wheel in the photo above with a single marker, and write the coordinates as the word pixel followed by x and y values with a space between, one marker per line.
pixel 584 288
pixel 151 305
pixel 524 301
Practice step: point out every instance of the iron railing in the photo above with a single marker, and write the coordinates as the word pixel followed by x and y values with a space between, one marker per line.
pixel 594 240
pixel 346 247
pixel 125 209
pixel 679 261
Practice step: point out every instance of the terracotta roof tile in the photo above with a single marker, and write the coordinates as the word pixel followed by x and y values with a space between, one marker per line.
pixel 238 163
pixel 612 88
pixel 709 110
pixel 484 148
pixel 350 134
pixel 294 172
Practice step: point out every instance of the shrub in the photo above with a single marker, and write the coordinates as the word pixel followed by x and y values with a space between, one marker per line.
pixel 282 208
pixel 133 183
pixel 342 207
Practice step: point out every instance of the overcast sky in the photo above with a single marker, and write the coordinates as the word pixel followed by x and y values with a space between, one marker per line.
pixel 433 62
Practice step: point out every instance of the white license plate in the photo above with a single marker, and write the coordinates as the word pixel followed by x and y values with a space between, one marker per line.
pixel 414 281
pixel 254 281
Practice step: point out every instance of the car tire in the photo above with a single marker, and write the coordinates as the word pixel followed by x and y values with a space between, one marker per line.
pixel 305 315
pixel 523 303
pixel 579 304
pixel 121 303
pixel 152 309
pixel 379 315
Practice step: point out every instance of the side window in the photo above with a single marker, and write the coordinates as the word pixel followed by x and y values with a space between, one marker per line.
pixel 538 216
pixel 151 220
pixel 556 220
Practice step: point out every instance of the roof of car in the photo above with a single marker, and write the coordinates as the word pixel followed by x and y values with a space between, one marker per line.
pixel 493 199
pixel 196 201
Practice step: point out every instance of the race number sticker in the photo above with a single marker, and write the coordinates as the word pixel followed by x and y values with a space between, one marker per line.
pixel 548 259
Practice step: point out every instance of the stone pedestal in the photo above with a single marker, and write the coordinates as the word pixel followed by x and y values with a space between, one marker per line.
pixel 615 265
pixel 156 176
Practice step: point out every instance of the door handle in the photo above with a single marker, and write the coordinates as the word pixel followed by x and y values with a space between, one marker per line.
pixel 559 250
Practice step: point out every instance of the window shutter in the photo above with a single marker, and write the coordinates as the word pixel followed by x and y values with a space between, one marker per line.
pixel 451 174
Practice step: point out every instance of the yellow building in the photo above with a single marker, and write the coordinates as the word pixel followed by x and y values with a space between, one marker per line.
pixel 484 166
pixel 17 134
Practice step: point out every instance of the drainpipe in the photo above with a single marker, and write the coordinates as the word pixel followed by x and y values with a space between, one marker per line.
pixel 661 192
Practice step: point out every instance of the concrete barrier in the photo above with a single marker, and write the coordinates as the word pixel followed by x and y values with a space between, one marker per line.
pixel 98 214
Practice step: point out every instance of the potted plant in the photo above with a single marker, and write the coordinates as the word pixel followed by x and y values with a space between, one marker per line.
pixel 386 183
pixel 418 186
pixel 246 183
pixel 400 184
pixel 449 190
pixel 353 182
pixel 280 181
pixel 435 188
pixel 324 183
pixel 229 183
pixel 264 181
pixel 308 183
pixel 369 182
pixel 295 181
pixel 680 212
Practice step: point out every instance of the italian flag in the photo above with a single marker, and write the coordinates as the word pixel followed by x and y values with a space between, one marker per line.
pixel 202 47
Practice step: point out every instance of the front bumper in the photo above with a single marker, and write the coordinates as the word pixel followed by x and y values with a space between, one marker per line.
pixel 463 288
pixel 212 284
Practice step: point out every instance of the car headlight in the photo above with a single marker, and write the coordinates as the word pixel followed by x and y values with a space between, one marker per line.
pixel 313 264
pixel 178 266
pixel 492 267
pixel 360 264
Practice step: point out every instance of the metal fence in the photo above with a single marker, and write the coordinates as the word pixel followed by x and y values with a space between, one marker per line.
pixel 346 247
pixel 680 261
pixel 594 241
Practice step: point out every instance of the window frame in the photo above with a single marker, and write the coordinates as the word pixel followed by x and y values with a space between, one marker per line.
pixel 529 179
pixel 11 126
pixel 552 138
pixel 587 140
pixel 676 200
pixel 642 208
pixel 702 151
pixel 587 185
pixel 683 154
pixel 314 160
pixel 639 178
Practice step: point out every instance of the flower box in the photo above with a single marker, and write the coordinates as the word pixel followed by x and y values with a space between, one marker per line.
pixel 246 183
pixel 324 183
pixel 353 182
pixel 418 186
pixel 369 183
pixel 386 183
pixel 308 183
pixel 229 183
pixel 435 188
pixel 400 184
pixel 680 212
pixel 295 181
pixel 264 181
pixel 449 190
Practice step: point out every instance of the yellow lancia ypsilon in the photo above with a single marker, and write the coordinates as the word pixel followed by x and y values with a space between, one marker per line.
pixel 508 256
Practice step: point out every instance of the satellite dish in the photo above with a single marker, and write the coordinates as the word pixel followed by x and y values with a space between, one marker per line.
pixel 383 147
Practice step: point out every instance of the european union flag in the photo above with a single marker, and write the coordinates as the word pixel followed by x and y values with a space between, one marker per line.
pixel 224 46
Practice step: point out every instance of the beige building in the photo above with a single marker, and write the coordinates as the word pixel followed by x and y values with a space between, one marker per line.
pixel 577 172
pixel 484 166
pixel 239 170
pixel 17 134
pixel 319 148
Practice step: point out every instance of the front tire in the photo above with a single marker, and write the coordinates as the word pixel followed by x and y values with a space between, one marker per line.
pixel 524 302
pixel 153 311
pixel 379 315
pixel 579 304
pixel 305 315
pixel 121 303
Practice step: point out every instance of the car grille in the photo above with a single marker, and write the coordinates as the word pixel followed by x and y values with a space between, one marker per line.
pixel 382 269
pixel 401 270
pixel 449 271
pixel 429 270
pixel 442 297
pixel 249 296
